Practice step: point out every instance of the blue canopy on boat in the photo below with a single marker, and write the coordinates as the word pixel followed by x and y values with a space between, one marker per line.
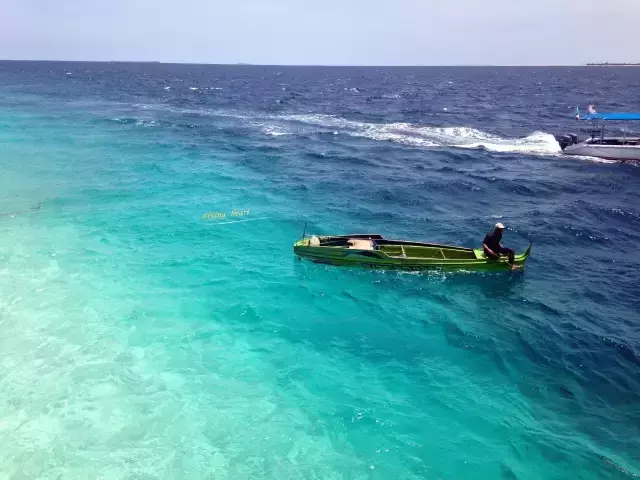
pixel 612 116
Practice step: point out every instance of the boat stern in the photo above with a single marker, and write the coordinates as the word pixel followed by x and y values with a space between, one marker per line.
pixel 521 259
pixel 566 140
pixel 503 262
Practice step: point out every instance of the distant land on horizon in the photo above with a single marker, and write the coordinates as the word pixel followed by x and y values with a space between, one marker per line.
pixel 613 64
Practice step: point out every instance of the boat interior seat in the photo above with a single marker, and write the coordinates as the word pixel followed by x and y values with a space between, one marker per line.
pixel 360 244
pixel 480 255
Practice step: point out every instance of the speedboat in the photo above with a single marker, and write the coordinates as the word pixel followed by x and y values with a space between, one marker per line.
pixel 596 143
pixel 372 250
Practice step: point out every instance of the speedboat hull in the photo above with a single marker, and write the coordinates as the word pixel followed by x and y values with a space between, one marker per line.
pixel 373 251
pixel 609 152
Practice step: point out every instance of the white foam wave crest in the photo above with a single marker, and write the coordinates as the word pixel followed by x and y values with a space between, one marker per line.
pixel 425 136
pixel 275 131
pixel 594 159
pixel 538 143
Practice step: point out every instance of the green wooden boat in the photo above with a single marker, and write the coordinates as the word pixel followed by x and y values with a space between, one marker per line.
pixel 372 250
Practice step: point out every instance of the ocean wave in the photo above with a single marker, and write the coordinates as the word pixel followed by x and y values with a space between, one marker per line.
pixel 274 131
pixel 428 136
pixel 632 163
pixel 137 121
pixel 537 143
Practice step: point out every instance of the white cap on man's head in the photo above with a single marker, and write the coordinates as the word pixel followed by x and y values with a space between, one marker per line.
pixel 500 226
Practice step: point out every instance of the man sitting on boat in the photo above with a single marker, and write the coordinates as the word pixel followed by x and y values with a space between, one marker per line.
pixel 493 248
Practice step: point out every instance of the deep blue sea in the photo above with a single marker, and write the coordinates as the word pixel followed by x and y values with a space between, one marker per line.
pixel 141 341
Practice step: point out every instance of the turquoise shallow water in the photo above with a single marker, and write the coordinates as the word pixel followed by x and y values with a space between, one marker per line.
pixel 140 341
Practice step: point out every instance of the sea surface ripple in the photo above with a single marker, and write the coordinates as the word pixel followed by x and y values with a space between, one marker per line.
pixel 143 341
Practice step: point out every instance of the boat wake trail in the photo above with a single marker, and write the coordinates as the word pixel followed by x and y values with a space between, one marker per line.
pixel 538 143
pixel 410 134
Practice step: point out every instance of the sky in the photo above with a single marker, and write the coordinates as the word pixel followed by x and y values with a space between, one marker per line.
pixel 324 32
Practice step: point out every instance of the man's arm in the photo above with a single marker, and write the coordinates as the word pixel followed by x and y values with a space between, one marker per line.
pixel 488 251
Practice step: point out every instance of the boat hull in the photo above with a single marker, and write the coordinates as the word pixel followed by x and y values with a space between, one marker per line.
pixel 609 152
pixel 421 256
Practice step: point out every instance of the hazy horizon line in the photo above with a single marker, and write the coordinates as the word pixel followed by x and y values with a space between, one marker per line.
pixel 248 64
